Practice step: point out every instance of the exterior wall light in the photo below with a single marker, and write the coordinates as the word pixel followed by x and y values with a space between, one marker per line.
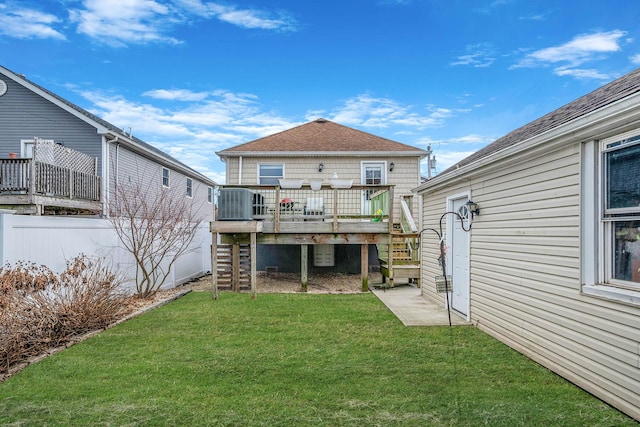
pixel 473 208
pixel 391 166
pixel 320 167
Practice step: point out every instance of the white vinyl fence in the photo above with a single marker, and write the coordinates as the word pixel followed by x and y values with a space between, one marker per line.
pixel 51 241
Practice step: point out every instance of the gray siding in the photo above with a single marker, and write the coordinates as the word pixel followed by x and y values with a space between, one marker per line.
pixel 525 275
pixel 24 115
pixel 127 166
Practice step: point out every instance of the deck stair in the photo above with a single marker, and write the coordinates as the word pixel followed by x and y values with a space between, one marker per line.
pixel 228 280
pixel 405 253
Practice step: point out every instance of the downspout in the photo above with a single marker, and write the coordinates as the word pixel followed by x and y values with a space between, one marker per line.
pixel 240 170
pixel 107 192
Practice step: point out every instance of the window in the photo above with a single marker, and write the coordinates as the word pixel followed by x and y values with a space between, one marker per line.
pixel 621 210
pixel 269 174
pixel 189 187
pixel 373 174
pixel 165 177
pixel 209 195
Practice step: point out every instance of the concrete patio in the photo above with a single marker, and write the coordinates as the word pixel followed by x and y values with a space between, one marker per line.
pixel 408 304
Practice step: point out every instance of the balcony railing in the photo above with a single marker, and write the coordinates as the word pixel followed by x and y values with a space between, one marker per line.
pixel 37 179
pixel 360 208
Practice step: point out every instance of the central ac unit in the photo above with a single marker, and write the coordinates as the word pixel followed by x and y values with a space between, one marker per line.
pixel 235 204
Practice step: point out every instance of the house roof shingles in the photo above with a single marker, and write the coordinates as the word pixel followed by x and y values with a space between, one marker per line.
pixel 322 135
pixel 621 88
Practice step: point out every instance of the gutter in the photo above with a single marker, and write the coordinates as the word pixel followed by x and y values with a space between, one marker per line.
pixel 383 154
pixel 187 171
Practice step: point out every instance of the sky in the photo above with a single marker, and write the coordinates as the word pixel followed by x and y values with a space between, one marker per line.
pixel 193 77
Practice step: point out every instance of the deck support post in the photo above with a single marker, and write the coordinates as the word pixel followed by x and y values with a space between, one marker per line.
pixel 390 261
pixel 235 266
pixel 304 274
pixel 214 264
pixel 253 265
pixel 364 266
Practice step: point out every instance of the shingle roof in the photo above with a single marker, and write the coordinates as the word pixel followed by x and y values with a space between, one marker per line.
pixel 605 95
pixel 322 135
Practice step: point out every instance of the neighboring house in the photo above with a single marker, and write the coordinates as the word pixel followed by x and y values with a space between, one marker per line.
pixel 57 156
pixel 59 159
pixel 551 266
pixel 313 181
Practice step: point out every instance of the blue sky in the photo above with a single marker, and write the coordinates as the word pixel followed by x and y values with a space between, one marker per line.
pixel 194 76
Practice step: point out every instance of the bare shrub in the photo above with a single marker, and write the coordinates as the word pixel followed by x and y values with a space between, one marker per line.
pixel 40 310
pixel 156 226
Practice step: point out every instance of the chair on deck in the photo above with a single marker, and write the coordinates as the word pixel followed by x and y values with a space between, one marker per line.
pixel 314 209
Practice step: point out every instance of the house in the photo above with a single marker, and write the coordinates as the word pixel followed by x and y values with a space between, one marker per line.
pixel 551 264
pixel 57 156
pixel 335 189
pixel 62 170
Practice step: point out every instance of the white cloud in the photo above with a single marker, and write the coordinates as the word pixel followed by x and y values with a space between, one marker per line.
pixel 368 111
pixel 245 18
pixel 446 159
pixel 478 55
pixel 23 23
pixel 176 94
pixel 119 23
pixel 450 151
pixel 578 51
pixel 191 132
pixel 537 17
pixel 635 59
pixel 582 73
pixel 214 120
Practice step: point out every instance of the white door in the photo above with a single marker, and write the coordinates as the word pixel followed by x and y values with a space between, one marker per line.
pixel 27 149
pixel 373 173
pixel 459 259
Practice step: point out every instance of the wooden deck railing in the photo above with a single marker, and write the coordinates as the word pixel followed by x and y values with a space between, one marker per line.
pixel 24 176
pixel 301 209
pixel 14 175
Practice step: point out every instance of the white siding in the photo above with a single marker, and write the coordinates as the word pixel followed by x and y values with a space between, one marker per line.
pixel 525 275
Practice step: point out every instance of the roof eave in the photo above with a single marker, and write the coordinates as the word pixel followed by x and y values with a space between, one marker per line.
pixel 169 161
pixel 417 153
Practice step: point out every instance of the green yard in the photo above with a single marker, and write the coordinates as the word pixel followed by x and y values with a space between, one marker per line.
pixel 292 360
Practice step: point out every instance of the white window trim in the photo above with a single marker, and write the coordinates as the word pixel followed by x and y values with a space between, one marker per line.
pixel 363 175
pixel 210 195
pixel 189 190
pixel 595 251
pixel 258 176
pixel 23 147
pixel 168 185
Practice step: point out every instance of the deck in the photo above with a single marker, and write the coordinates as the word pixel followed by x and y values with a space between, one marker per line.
pixel 356 215
pixel 27 186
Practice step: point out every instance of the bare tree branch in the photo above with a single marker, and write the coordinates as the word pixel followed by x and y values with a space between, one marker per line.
pixel 157 226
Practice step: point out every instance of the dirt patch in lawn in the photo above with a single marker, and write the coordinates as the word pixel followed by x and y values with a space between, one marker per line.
pixel 318 283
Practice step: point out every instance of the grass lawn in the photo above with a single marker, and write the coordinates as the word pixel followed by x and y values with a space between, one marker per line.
pixel 292 360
